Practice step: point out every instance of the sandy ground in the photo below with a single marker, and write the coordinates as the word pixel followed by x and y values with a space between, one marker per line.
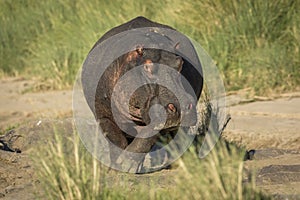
pixel 17 105
pixel 271 127
pixel 266 124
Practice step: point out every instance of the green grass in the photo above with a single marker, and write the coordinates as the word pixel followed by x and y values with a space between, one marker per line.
pixel 6 129
pixel 254 43
pixel 67 171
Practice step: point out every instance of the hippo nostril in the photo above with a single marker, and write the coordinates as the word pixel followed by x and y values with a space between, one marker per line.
pixel 171 107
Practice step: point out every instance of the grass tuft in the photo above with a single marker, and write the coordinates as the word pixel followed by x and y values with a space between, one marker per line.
pixel 67 171
pixel 255 44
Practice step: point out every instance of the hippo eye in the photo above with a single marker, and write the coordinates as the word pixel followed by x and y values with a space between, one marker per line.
pixel 171 108
pixel 140 51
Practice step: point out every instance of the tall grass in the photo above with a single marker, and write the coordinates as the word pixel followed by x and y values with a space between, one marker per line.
pixel 67 171
pixel 254 43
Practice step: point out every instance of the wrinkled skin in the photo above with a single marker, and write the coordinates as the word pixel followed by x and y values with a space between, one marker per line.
pixel 140 102
pixel 142 99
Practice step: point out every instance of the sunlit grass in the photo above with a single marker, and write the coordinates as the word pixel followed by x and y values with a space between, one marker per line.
pixel 67 171
pixel 254 43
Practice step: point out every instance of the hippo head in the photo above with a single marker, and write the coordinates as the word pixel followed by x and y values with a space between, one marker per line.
pixel 160 70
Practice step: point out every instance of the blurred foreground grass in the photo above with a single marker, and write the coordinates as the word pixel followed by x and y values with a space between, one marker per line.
pixel 67 171
pixel 254 43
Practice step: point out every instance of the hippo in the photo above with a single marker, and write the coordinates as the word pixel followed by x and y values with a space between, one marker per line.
pixel 137 113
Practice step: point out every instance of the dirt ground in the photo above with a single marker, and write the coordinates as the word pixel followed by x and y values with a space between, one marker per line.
pixel 271 127
pixel 268 125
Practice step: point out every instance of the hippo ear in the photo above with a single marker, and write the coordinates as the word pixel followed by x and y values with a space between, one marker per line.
pixel 179 63
pixel 148 67
pixel 177 45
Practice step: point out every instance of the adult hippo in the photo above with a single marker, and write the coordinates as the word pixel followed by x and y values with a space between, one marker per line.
pixel 145 91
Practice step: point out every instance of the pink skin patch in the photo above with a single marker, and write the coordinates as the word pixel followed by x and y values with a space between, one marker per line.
pixel 171 107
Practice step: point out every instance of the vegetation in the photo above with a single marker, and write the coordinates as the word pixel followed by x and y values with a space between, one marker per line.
pixel 254 43
pixel 68 171
pixel 8 128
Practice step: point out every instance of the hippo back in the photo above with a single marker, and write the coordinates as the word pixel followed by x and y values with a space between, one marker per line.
pixel 191 69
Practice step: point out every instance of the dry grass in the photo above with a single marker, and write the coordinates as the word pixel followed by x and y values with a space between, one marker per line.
pixel 68 171
pixel 255 44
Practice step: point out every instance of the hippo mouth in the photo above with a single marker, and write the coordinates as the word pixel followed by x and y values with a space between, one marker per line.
pixel 135 116
pixel 138 120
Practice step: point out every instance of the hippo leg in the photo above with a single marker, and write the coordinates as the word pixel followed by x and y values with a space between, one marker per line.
pixel 134 162
pixel 142 145
pixel 116 138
